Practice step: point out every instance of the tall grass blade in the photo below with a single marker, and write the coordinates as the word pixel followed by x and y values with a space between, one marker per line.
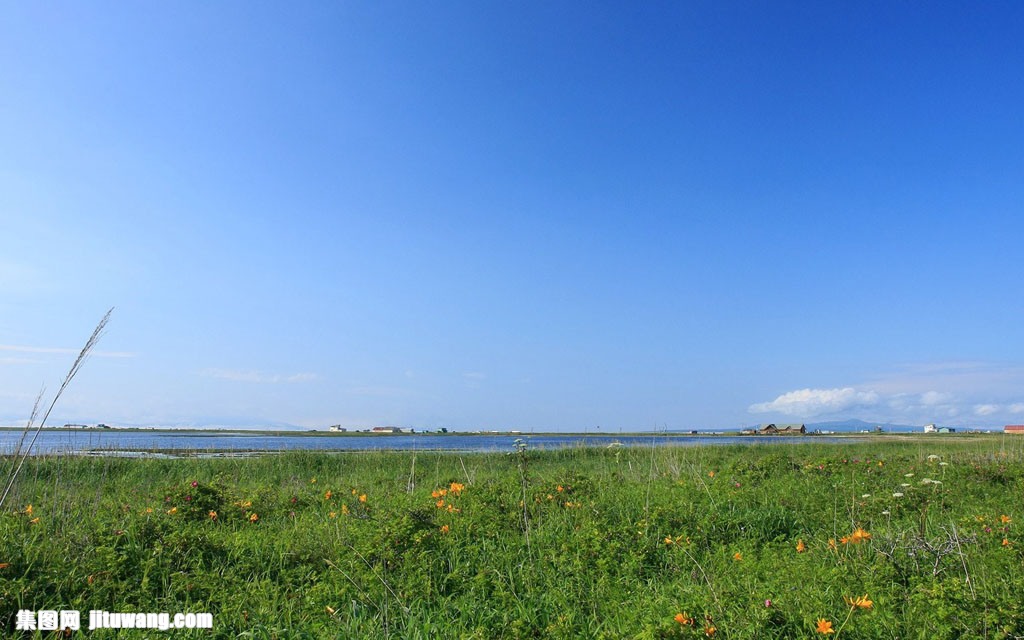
pixel 22 453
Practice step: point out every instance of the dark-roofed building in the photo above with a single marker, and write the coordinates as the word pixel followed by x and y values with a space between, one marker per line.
pixel 782 430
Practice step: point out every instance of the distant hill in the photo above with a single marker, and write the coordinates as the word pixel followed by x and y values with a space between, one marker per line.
pixel 859 425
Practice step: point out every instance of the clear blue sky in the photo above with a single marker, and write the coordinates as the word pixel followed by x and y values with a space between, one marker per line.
pixel 530 215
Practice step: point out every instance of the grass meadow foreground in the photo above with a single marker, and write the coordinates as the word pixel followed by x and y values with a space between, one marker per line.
pixel 878 539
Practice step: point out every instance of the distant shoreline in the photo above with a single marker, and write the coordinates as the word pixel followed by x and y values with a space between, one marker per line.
pixel 213 431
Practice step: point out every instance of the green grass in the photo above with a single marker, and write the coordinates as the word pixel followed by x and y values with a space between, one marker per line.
pixel 576 543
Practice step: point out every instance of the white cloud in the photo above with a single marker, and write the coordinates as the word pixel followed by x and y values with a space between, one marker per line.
pixel 959 393
pixel 935 398
pixel 812 402
pixel 65 351
pixel 237 375
pixel 19 361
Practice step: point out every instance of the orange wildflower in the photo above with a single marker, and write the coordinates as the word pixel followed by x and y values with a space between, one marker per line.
pixel 4 565
pixel 253 517
pixel 668 540
pixel 832 544
pixel 28 510
pixel 328 494
pixel 456 487
pixel 172 511
pixel 710 630
pixel 845 539
pixel 711 474
pixel 737 556
pixel 34 520
pixel 800 546
pixel 824 627
pixel 213 515
pixel 1006 542
pixel 362 498
pixel 439 504
pixel 559 489
pixel 859 535
pixel 683 619
pixel 861 602
pixel 445 529
pixel 1005 519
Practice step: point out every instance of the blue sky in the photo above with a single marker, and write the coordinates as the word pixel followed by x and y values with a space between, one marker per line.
pixel 514 215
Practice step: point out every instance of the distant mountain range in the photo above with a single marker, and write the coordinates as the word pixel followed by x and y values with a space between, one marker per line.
pixel 860 425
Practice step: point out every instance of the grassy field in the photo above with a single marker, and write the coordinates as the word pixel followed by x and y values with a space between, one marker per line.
pixel 879 539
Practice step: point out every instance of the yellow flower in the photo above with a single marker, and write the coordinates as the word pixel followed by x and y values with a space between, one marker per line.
pixel 362 497
pixel 34 520
pixel 333 514
pixel 330 610
pixel 861 602
pixel 824 627
pixel 711 474
pixel 710 630
pixel 28 510
pixel 683 619
pixel 800 546
pixel 148 510
pixel 344 509
pixel 172 511
pixel 832 544
pixel 312 480
pixel 253 517
pixel 668 540
pixel 737 556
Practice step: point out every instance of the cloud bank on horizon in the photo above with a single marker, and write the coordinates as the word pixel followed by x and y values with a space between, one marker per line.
pixel 971 393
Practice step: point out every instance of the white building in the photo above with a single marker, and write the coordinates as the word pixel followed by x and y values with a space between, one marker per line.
pixel 930 428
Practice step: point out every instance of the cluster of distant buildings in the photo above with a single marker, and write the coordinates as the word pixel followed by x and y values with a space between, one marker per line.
pixel 800 429
pixel 378 430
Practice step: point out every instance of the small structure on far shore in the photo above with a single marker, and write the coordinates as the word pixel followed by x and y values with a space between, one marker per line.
pixel 782 430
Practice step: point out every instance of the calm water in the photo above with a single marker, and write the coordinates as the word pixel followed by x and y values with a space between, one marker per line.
pixel 113 441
